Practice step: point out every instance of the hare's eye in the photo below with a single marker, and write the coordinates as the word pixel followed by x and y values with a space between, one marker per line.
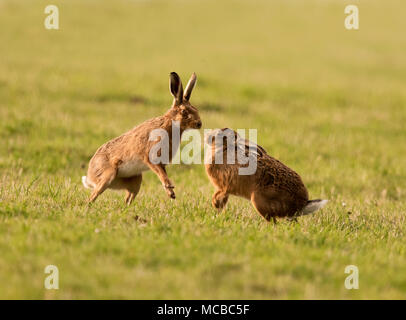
pixel 184 113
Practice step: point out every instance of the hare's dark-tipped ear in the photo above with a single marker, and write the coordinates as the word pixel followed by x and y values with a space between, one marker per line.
pixel 176 88
pixel 189 87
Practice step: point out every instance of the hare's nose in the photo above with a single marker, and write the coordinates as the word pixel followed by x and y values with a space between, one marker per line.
pixel 198 124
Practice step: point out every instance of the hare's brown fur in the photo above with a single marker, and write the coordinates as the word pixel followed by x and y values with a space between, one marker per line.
pixel 274 189
pixel 119 163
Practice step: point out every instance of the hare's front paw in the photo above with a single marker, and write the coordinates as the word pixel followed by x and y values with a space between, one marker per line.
pixel 169 191
pixel 215 203
pixel 219 199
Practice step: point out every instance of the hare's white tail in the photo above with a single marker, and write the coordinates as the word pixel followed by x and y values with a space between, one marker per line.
pixel 88 184
pixel 312 206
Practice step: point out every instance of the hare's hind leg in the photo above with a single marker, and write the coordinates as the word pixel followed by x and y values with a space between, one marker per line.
pixel 219 199
pixel 133 186
pixel 265 206
pixel 106 178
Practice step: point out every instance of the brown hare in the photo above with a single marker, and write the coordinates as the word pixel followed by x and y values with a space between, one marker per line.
pixel 274 189
pixel 119 163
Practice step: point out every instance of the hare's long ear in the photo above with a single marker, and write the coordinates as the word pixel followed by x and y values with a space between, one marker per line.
pixel 176 88
pixel 189 87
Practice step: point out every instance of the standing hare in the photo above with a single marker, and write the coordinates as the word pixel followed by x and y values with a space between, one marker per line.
pixel 119 163
pixel 274 189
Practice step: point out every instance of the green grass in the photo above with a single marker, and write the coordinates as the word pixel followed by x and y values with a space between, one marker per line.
pixel 328 102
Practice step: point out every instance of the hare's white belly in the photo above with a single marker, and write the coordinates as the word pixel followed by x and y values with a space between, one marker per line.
pixel 131 168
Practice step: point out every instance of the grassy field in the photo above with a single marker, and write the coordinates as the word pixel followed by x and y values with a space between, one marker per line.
pixel 328 102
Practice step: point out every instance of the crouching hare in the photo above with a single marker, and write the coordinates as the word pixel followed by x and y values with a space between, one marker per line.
pixel 119 163
pixel 274 189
